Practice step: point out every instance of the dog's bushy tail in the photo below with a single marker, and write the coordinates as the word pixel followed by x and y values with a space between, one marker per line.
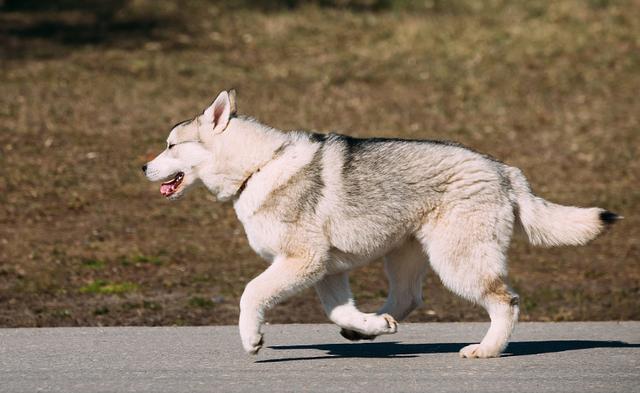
pixel 550 224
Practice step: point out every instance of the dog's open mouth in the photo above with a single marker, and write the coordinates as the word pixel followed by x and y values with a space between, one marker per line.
pixel 170 187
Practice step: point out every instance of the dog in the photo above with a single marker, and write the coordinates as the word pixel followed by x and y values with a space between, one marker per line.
pixel 316 206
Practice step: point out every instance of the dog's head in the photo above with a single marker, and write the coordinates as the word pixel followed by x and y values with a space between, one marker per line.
pixel 190 150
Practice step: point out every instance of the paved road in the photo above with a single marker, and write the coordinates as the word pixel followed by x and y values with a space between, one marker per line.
pixel 543 357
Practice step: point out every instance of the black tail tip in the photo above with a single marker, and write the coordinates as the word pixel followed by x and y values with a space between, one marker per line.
pixel 608 217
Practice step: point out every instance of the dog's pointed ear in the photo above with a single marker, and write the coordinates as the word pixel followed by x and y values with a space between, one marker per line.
pixel 219 113
pixel 232 100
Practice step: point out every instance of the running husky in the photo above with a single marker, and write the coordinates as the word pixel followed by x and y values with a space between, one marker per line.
pixel 319 205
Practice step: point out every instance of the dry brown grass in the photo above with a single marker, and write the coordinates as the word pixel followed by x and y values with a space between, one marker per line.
pixel 550 87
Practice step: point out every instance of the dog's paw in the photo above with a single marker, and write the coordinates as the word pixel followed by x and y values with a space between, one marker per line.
pixel 253 344
pixel 371 327
pixel 381 324
pixel 477 351
pixel 392 324
pixel 352 335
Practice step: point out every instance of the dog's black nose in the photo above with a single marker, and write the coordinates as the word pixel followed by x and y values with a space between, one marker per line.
pixel 144 168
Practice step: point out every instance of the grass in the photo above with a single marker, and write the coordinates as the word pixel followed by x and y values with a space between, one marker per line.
pixel 104 287
pixel 102 310
pixel 198 301
pixel 138 259
pixel 550 87
pixel 95 264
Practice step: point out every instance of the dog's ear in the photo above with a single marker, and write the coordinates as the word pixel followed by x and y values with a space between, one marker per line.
pixel 232 100
pixel 219 113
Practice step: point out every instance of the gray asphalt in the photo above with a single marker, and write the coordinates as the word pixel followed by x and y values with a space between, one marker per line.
pixel 543 357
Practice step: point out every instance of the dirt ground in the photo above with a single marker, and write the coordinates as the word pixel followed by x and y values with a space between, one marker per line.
pixel 89 96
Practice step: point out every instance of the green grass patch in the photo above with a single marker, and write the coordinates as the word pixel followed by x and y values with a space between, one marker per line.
pixel 102 310
pixel 95 264
pixel 150 305
pixel 201 278
pixel 148 259
pixel 140 259
pixel 105 287
pixel 200 302
pixel 63 313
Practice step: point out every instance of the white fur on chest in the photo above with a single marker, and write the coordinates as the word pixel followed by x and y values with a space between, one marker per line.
pixel 266 232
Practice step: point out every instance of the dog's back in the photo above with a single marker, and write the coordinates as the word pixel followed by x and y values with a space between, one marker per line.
pixel 388 187
pixel 376 192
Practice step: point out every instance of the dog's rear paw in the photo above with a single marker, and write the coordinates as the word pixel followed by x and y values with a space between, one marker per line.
pixel 352 335
pixel 373 326
pixel 381 324
pixel 392 325
pixel 477 351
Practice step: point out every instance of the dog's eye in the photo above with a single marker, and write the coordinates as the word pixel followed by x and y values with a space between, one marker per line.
pixel 171 145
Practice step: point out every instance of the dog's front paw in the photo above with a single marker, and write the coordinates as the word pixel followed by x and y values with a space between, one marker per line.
pixel 253 343
pixel 475 351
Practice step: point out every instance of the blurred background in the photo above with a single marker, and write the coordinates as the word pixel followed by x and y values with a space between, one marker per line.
pixel 90 90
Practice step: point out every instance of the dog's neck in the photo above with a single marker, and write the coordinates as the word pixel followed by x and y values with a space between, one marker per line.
pixel 277 153
pixel 239 152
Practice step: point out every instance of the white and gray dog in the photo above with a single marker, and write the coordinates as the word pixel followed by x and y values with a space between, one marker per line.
pixel 316 206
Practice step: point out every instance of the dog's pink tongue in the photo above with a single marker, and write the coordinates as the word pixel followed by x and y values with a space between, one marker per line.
pixel 166 189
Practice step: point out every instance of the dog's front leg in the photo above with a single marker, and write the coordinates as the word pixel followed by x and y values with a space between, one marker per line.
pixel 338 303
pixel 285 277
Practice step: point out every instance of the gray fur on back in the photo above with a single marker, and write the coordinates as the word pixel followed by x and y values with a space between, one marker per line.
pixel 391 186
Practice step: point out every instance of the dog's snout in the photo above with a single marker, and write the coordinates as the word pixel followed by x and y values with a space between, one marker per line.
pixel 144 168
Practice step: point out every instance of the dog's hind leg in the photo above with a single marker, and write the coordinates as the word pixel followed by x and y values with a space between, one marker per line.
pixel 283 278
pixel 502 305
pixel 469 254
pixel 405 268
pixel 336 297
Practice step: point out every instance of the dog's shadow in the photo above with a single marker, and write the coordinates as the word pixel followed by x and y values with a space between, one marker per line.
pixel 396 349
